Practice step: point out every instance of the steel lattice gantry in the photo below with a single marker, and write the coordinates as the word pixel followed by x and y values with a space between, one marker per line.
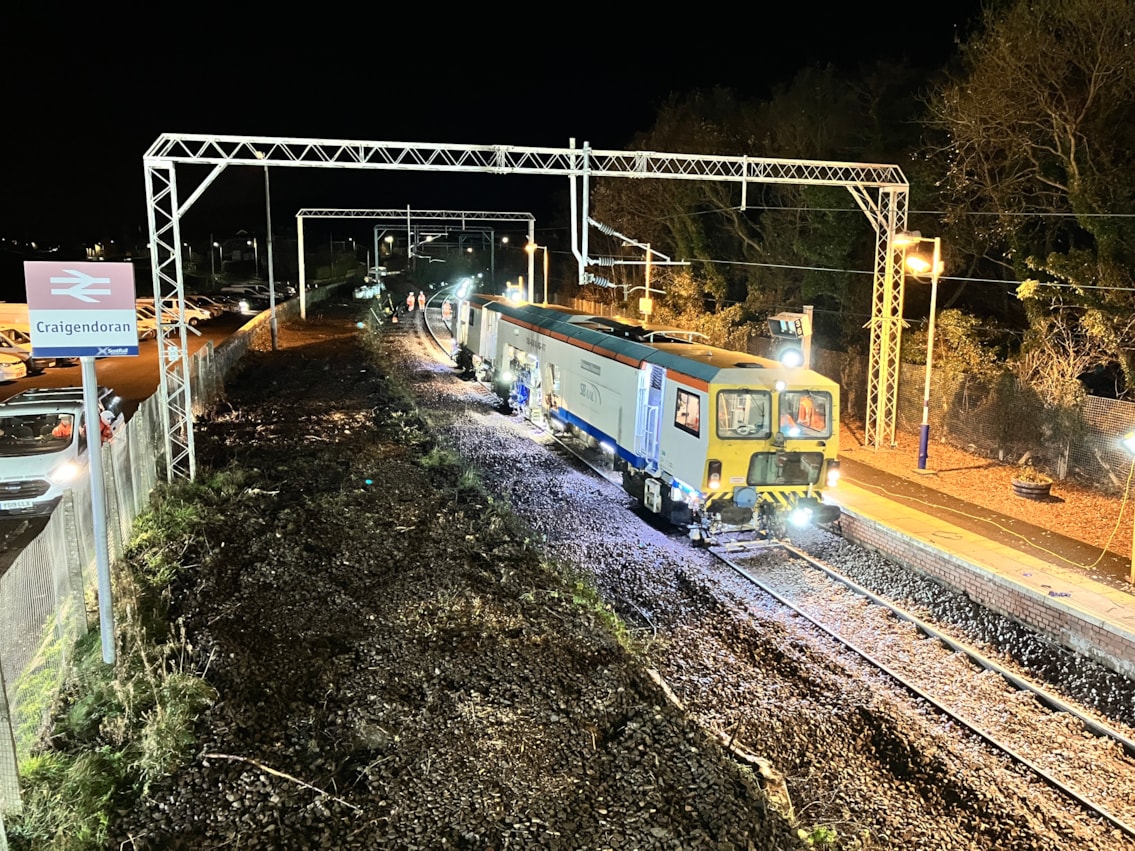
pixel 881 191
pixel 409 217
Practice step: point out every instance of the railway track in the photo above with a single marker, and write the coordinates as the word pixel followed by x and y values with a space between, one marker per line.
pixel 1087 757
pixel 1080 756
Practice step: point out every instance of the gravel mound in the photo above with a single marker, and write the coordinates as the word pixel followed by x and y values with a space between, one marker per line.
pixel 396 663
pixel 402 664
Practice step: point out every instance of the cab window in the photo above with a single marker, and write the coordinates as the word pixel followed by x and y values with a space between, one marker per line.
pixel 806 413
pixel 687 414
pixel 744 414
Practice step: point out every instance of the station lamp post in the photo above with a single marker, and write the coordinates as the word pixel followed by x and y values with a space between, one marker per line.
pixel 919 266
pixel 532 248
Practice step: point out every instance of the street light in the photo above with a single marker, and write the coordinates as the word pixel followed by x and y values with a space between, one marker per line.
pixel 255 254
pixel 1128 442
pixel 531 248
pixel 919 266
pixel 213 261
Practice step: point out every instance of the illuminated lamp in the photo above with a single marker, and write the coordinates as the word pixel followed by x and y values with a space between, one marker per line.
pixel 714 475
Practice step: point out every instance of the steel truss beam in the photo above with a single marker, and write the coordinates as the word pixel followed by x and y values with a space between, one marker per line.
pixel 409 217
pixel 508 159
pixel 880 190
pixel 415 215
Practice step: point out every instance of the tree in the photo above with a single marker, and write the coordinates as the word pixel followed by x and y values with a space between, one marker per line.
pixel 1037 127
pixel 677 217
pixel 790 244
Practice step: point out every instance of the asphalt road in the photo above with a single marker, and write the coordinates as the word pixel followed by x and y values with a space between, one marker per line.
pixel 133 378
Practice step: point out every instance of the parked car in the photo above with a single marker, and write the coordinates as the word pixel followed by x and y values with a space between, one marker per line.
pixel 21 336
pixel 283 290
pixel 147 326
pixel 193 314
pixel 246 289
pixel 12 368
pixel 230 302
pixel 215 308
pixel 252 304
pixel 147 311
pixel 13 342
pixel 43 445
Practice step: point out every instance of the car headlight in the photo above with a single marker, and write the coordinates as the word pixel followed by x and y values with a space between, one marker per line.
pixel 65 473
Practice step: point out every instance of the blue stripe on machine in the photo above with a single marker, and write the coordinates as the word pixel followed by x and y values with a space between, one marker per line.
pixel 635 461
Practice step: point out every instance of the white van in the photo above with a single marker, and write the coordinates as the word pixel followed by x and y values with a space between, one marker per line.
pixel 43 445
pixel 14 313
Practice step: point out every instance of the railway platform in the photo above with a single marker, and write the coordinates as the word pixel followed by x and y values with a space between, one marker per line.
pixel 1028 573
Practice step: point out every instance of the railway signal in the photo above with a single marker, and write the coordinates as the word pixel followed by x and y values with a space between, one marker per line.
pixel 793 331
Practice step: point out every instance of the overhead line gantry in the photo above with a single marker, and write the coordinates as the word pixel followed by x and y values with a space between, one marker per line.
pixel 880 190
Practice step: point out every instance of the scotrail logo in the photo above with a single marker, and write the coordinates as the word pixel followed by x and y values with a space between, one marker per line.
pixel 107 351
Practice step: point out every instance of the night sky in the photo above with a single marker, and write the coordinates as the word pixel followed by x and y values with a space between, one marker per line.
pixel 86 94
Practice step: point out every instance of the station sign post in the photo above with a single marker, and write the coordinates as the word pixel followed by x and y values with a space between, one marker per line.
pixel 86 310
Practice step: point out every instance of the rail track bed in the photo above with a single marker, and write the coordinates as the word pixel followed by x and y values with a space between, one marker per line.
pixel 851 744
pixel 1069 748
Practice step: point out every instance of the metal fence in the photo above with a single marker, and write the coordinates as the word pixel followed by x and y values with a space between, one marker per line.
pixel 44 594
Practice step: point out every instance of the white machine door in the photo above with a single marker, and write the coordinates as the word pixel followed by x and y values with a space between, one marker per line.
pixel 649 414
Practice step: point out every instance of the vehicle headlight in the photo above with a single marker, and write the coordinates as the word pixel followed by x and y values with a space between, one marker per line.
pixel 800 517
pixel 833 474
pixel 65 473
pixel 714 475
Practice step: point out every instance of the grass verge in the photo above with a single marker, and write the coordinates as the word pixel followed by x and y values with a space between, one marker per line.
pixel 114 729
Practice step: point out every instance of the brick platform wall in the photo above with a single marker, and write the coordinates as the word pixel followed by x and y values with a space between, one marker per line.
pixel 1057 618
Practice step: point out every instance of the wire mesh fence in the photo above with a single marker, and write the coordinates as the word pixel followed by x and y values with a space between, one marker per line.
pixel 44 593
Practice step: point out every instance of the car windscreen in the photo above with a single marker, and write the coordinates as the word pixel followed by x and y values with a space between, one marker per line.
pixel 35 434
